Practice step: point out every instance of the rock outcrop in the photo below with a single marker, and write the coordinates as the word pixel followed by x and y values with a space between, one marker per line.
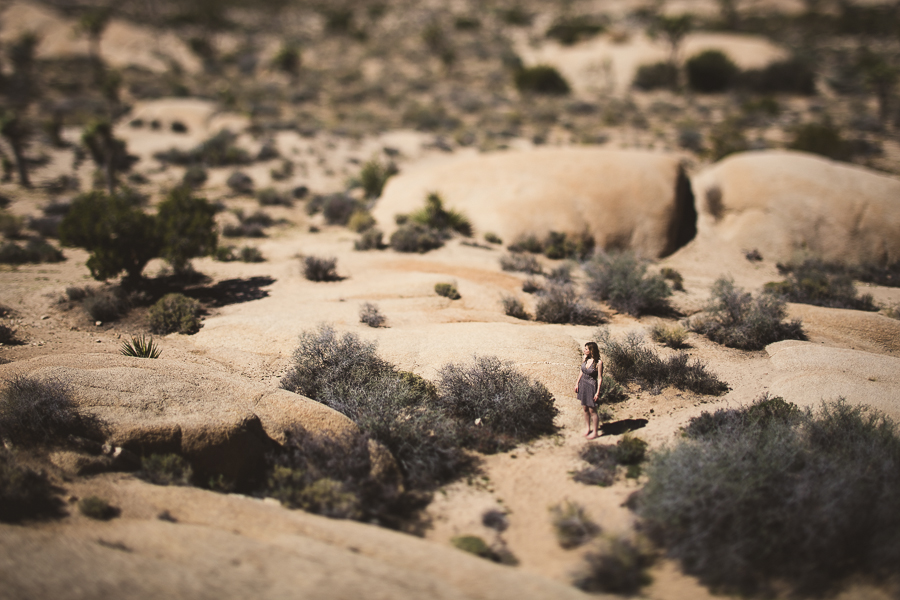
pixel 626 199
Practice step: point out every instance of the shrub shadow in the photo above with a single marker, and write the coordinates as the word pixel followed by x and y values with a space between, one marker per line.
pixel 232 291
pixel 621 427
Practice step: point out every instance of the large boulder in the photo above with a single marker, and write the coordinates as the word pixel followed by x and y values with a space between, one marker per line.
pixel 782 203
pixel 222 423
pixel 625 199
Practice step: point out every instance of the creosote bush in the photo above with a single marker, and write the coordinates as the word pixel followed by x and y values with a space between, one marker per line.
pixel 317 268
pixel 631 360
pixel 447 290
pixel 165 469
pixel 736 319
pixel 174 313
pixel 24 493
pixel 621 280
pixel 37 411
pixel 559 304
pixel 772 493
pixel 572 524
pixel 814 282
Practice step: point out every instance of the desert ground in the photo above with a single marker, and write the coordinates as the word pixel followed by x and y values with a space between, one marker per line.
pixel 607 158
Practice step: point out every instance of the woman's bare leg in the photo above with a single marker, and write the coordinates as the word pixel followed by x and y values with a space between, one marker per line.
pixel 587 419
pixel 595 418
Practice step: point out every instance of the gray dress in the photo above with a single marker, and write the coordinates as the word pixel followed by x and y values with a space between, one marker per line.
pixel 587 387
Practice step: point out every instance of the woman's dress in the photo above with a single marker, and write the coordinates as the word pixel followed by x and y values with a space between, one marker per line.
pixel 587 387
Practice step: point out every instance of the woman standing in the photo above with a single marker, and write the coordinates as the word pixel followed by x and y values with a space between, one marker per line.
pixel 587 388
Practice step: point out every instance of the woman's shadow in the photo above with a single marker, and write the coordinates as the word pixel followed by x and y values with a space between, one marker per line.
pixel 623 426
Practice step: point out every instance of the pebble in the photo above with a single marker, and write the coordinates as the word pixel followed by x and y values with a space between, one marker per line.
pixel 98 341
pixel 98 323
pixel 44 317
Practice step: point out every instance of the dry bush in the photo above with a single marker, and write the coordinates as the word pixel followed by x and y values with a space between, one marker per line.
pixel 673 336
pixel 25 493
pixel 513 307
pixel 370 315
pixel 523 263
pixel 97 508
pixel 572 524
pixel 621 280
pixel 165 469
pixel 35 411
pixel 629 452
pixel 317 268
pixel 174 313
pixel 415 237
pixel 559 304
pixel 814 282
pixel 371 239
pixel 618 568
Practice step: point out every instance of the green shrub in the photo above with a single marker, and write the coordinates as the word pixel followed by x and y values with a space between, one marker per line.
pixel 97 508
pixel 621 280
pixel 673 337
pixel 174 313
pixel 710 71
pixel 119 236
pixel 736 319
pixel 140 347
pixel 374 176
pixel 559 304
pixel 35 411
pixel 541 79
pixel 561 245
pixel 414 237
pixel 272 197
pixel 217 151
pixel 727 137
pixel 447 290
pixel 619 569
pixel 371 239
pixel 287 59
pixel 360 221
pixel 886 275
pixel 250 254
pixel 603 460
pixel 104 305
pixel 492 238
pixel 34 251
pixel 791 76
pixel 11 225
pixel 187 228
pixel 572 29
pixel 674 276
pixel 398 409
pixel 435 216
pixel 513 307
pixel 370 315
pixel 523 263
pixel 194 176
pixel 506 401
pixel 165 469
pixel 527 243
pixel 813 282
pixel 473 545
pixel 821 138
pixel 802 498
pixel 631 360
pixel 25 493
pixel 317 268
pixel 661 75
pixel 572 525
pixel 892 311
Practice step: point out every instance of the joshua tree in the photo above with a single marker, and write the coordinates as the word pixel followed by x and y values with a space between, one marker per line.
pixel 20 53
pixel 882 77
pixel 16 131
pixel 674 29
pixel 92 23
pixel 108 152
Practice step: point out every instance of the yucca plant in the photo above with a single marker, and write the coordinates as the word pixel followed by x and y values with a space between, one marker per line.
pixel 141 347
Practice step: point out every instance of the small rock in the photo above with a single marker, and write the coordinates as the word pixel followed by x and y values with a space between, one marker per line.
pixel 98 341
pixel 44 317
pixel 98 323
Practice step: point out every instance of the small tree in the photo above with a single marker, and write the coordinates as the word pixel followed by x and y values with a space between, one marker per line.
pixel 673 29
pixel 16 131
pixel 881 76
pixel 187 228
pixel 108 153
pixel 21 54
pixel 119 236
pixel 92 24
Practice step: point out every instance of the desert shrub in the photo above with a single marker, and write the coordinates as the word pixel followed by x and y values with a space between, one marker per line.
pixel 728 137
pixel 374 175
pixel 631 360
pixel 532 286
pixel 803 498
pixel 541 79
pixel 24 493
pixel 473 545
pixel 140 347
pixel 561 275
pixel 892 311
pixel 672 336
pixel 572 525
pixel 813 282
pixel 398 409
pixel 187 228
pixel 370 315
pixel 507 401
pixel 11 226
pixel 361 220
pixel 513 307
pixel 47 226
pixel 629 452
pixel 821 138
pixel 527 243
pixel 97 508
pixel 710 71
pixel 174 313
pixel 119 236
pixel 622 281
pixel 272 197
pixel 250 254
pixel 317 268
pixel 447 290
pixel 610 391
pixel 753 255
pixel 283 172
pixel 225 253
pixel 240 183
pixel 414 237
pixel 371 239
pixel 792 76
pixel 194 176
pixel 661 75
pixel 735 318
pixel 886 274
pixel 165 469
pixel 495 519
pixel 559 304
pixel 435 216
pixel 36 411
pixel 523 263
pixel 287 59
pixel 337 208
pixel 217 151
pixel 674 276
pixel 572 29
pixel 34 251
pixel 492 238
pixel 620 568
pixel 8 334
pixel 561 245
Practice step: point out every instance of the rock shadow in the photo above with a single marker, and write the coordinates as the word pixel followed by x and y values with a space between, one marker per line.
pixel 623 426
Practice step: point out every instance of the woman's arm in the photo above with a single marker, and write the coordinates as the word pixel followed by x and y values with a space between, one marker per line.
pixel 577 381
pixel 599 379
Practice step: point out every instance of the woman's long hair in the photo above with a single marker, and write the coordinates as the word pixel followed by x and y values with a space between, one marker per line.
pixel 595 352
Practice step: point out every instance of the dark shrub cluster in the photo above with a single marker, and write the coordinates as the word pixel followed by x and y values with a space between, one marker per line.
pixel 35 250
pixel 620 568
pixel 165 469
pixel 629 452
pixel 447 290
pixel 336 208
pixel 272 197
pixel 632 360
pixel 661 75
pixel 771 493
pixel 95 507
pixel 415 237
pixel 711 71
pixel 252 225
pixel 736 319
pixel 101 304
pixel 813 282
pixel 35 411
pixel 556 245
pixel 572 524
pixel 792 76
pixel 823 138
pixel 218 151
pixel 371 239
pixel 572 29
pixel 317 268
pixel 174 313
pixel 25 493
pixel 513 307
pixel 436 217
pixel 541 79
pixel 523 263
pixel 560 304
pixel 621 280
pixel 374 175
pixel 371 315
